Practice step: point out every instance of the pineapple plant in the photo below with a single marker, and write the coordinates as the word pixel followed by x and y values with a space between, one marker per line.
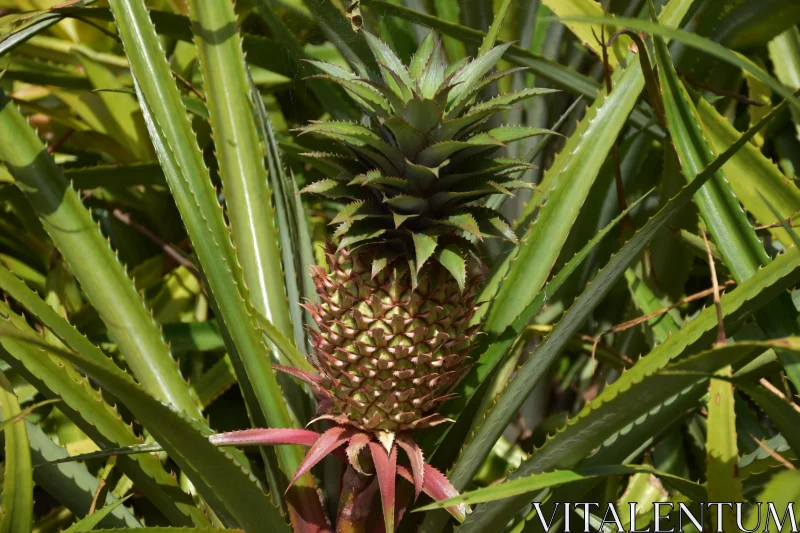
pixel 255 236
pixel 397 301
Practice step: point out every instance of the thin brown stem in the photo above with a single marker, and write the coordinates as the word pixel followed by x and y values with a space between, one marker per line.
pixel 718 91
pixel 775 455
pixel 622 203
pixel 586 343
pixel 780 223
pixel 58 143
pixel 100 486
pixel 167 248
pixel 776 391
pixel 721 338
pixel 644 318
pixel 93 24
pixel 186 83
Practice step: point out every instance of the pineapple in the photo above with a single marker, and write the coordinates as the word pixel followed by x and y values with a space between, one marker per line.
pixel 399 294
pixel 389 351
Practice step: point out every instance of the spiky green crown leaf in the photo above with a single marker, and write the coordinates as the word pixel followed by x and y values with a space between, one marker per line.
pixel 413 179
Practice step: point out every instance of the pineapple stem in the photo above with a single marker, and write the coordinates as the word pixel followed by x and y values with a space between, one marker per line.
pixel 355 500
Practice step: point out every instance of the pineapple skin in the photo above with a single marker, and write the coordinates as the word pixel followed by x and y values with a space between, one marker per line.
pixel 388 354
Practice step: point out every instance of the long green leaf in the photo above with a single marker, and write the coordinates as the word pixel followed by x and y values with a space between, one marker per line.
pixel 784 50
pixel 565 187
pixel 540 360
pixel 244 178
pixel 631 441
pixel 493 349
pixel 722 454
pixel 750 173
pixel 782 414
pixel 651 383
pixel 728 224
pixel 233 491
pixel 62 329
pixel 190 184
pixel 230 101
pixel 55 323
pixel 494 30
pixel 86 251
pixel 71 483
pixel 698 42
pixel 87 523
pixel 17 509
pixel 529 484
pixel 236 302
pixel 547 351
pixel 66 332
pixel 296 248
pixel 87 409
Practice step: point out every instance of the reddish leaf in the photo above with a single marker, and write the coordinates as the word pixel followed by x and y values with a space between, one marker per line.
pixel 265 437
pixel 313 380
pixel 304 375
pixel 386 470
pixel 438 488
pixel 414 452
pixel 357 443
pixel 403 497
pixel 324 446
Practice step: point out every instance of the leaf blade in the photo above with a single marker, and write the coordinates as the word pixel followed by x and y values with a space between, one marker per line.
pixel 17 512
pixel 91 260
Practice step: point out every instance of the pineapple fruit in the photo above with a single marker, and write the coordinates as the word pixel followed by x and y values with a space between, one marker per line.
pixel 386 350
pixel 404 270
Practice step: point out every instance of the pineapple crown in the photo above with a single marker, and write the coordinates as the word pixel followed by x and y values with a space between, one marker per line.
pixel 415 173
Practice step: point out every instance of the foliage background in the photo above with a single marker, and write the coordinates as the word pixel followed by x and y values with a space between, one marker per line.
pixel 151 233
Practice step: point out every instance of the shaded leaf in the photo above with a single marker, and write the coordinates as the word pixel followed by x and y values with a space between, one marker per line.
pixel 450 257
pixel 424 246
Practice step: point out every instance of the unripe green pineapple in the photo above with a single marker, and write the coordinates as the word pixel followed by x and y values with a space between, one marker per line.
pixel 413 177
